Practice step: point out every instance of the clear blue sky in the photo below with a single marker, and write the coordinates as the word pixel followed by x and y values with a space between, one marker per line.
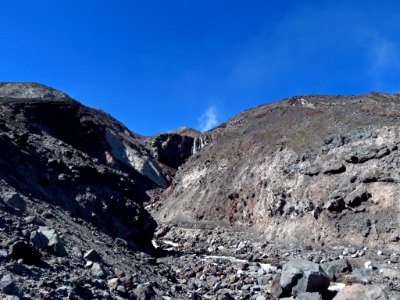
pixel 158 65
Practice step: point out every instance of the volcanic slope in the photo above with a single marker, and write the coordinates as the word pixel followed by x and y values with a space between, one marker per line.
pixel 304 170
pixel 317 175
pixel 73 181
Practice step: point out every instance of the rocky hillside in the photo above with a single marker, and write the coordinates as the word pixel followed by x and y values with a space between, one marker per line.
pixel 74 179
pixel 80 159
pixel 294 199
pixel 312 169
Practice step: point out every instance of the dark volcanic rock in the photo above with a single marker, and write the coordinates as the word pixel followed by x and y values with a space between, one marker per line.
pixel 302 276
pixel 315 177
pixel 173 149
pixel 22 250
pixel 144 293
pixel 77 158
pixel 7 285
pixel 336 269
pixel 92 255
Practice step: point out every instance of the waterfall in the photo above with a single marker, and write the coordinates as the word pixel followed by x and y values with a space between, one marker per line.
pixel 194 145
pixel 198 143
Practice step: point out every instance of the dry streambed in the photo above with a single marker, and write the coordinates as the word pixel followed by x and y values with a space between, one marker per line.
pixel 218 264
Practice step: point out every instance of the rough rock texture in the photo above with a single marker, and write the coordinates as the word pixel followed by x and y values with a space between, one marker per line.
pixel 74 182
pixel 80 159
pixel 174 147
pixel 303 276
pixel 312 169
pixel 368 292
pixel 29 90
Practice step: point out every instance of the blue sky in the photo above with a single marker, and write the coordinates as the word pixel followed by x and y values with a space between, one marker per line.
pixel 160 64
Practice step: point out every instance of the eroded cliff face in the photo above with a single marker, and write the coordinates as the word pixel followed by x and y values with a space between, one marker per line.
pixel 57 151
pixel 319 169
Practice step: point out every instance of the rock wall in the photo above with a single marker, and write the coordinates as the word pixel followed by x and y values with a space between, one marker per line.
pixel 56 151
pixel 172 149
pixel 133 157
pixel 316 169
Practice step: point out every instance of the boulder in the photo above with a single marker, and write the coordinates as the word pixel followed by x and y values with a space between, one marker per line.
pixel 223 294
pixel 30 219
pixel 144 293
pixel 309 296
pixel 98 270
pixel 356 197
pixel 11 197
pixel 275 288
pixel 332 168
pixel 53 241
pixel 366 292
pixel 39 240
pixel 22 250
pixel 336 268
pixel 7 285
pixel 92 255
pixel 301 276
pixel 336 204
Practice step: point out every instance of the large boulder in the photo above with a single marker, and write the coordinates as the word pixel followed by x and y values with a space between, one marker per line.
pixel 366 292
pixel 8 286
pixel 22 250
pixel 302 276
pixel 336 269
pixel 11 197
pixel 52 239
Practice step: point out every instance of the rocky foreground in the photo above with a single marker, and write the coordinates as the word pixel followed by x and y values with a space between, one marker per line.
pixel 296 199
pixel 48 256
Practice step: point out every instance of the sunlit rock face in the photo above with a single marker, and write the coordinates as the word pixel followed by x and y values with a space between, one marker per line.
pixel 252 201
pixel 132 156
pixel 29 90
pixel 304 169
